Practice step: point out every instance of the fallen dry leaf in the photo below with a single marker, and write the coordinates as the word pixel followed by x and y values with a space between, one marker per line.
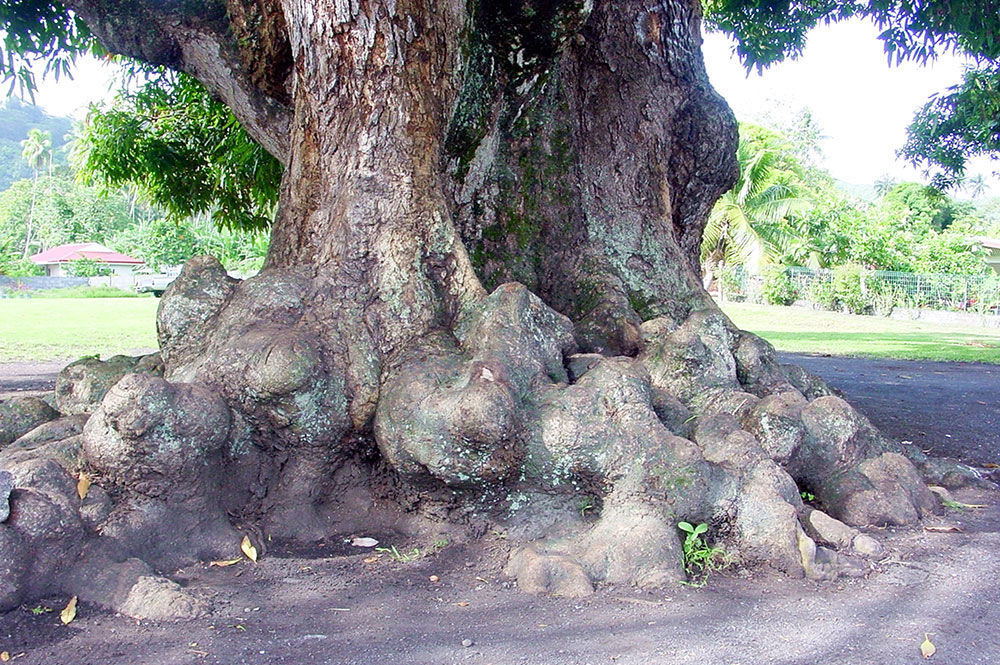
pixel 943 529
pixel 927 647
pixel 4 656
pixel 482 579
pixel 434 578
pixel 69 612
pixel 83 485
pixel 364 542
pixel 371 559
pixel 461 603
pixel 990 465
pixel 248 549
pixel 223 564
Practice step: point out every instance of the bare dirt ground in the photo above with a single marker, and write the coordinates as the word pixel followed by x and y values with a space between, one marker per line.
pixel 332 605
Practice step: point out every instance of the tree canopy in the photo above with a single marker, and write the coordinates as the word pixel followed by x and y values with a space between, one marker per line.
pixel 955 126
pixel 768 31
pixel 184 151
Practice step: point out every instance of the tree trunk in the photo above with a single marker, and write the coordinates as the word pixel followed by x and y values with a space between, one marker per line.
pixel 565 154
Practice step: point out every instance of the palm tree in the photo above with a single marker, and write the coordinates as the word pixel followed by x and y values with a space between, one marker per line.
pixel 976 185
pixel 35 150
pixel 884 184
pixel 746 221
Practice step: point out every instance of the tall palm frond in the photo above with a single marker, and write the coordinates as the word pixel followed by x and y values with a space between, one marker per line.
pixel 748 217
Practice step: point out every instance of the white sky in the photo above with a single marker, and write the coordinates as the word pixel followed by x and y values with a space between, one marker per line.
pixel 861 105
pixel 71 97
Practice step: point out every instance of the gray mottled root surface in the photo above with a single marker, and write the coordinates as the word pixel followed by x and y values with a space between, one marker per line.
pixel 268 427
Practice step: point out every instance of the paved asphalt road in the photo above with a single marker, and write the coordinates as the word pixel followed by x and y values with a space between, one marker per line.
pixel 947 408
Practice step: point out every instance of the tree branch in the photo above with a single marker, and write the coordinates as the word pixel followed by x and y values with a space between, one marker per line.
pixel 204 42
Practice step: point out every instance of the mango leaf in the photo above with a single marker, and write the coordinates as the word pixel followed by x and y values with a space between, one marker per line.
pixel 927 647
pixel 69 612
pixel 83 485
pixel 248 549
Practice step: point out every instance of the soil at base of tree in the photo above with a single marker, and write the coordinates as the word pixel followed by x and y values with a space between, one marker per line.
pixel 339 604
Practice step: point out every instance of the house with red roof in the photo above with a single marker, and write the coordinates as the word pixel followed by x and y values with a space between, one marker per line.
pixel 57 260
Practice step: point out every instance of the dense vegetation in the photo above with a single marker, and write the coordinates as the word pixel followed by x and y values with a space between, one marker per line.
pixel 787 211
pixel 17 118
pixel 49 204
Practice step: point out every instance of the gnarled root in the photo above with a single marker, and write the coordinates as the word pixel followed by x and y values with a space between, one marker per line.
pixel 588 462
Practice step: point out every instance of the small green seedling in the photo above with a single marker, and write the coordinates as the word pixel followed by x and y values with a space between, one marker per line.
pixel 401 557
pixel 808 497
pixel 699 558
pixel 958 505
pixel 440 543
pixel 40 609
pixel 585 504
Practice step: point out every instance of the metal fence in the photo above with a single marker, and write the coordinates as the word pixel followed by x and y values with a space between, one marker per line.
pixel 885 289
pixel 914 290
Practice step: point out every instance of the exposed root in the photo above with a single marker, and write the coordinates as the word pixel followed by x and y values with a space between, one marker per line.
pixel 589 462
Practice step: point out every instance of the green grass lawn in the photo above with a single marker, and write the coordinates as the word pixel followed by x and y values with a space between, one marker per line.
pixel 808 331
pixel 57 328
pixel 48 329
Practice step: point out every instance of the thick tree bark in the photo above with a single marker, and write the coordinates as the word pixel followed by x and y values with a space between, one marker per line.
pixel 565 154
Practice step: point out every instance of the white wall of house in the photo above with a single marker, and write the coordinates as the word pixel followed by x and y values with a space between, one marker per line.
pixel 61 270
pixel 993 259
pixel 122 269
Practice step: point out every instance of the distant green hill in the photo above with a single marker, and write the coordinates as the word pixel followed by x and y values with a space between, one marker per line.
pixel 860 192
pixel 16 118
